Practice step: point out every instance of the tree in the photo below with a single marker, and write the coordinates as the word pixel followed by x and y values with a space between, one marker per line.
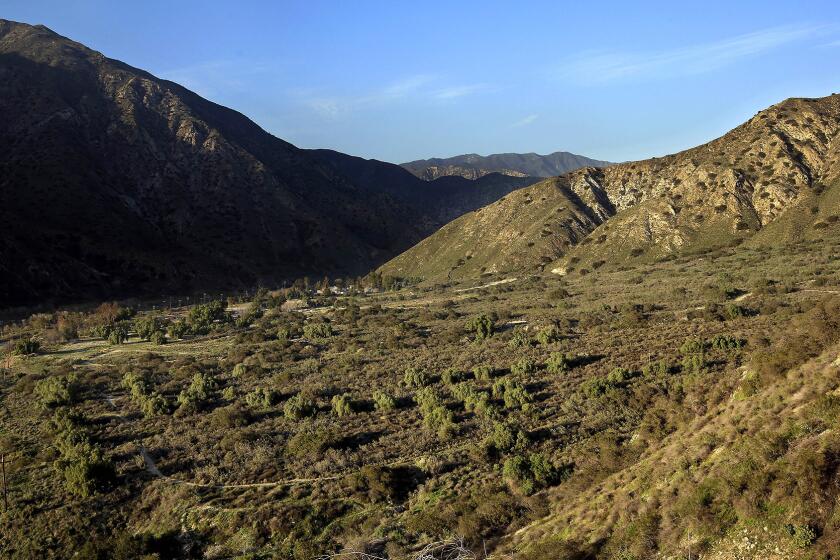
pixel 58 390
pixel 118 333
pixel 26 347
pixel 200 391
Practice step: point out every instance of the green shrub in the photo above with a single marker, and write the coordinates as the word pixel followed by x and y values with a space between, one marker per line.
pixel 523 366
pixel 506 437
pixel 514 394
pixel 655 370
pixel 146 327
pixel 298 407
pixel 440 420
pixel 548 335
pixel 726 342
pixel 693 351
pixel 692 346
pixel 383 401
pixel 178 329
pixel 558 362
pixel 58 390
pixel 482 326
pixel 474 400
pixel 618 376
pixel 416 378
pixel 118 334
pixel 317 331
pixel 203 318
pixel 262 398
pixel 693 363
pixel 154 404
pixel 451 376
pixel 436 416
pixel 519 339
pixel 85 469
pixel 802 536
pixel 483 373
pixel 158 338
pixel 198 394
pixel 81 463
pixel 26 347
pixel 529 473
pixel 733 311
pixel 615 379
pixel 342 405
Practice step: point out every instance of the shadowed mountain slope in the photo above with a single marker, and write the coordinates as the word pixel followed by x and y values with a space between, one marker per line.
pixel 113 182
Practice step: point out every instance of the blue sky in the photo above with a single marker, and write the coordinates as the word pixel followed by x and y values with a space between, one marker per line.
pixel 398 80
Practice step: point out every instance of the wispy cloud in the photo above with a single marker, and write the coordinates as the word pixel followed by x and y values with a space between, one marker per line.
pixel 832 44
pixel 420 87
pixel 525 121
pixel 454 92
pixel 604 66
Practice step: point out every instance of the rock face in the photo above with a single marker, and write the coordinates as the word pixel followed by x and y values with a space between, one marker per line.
pixel 753 184
pixel 474 166
pixel 113 182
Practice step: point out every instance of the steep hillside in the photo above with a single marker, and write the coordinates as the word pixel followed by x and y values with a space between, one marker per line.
pixel 473 166
pixel 526 229
pixel 772 179
pixel 115 182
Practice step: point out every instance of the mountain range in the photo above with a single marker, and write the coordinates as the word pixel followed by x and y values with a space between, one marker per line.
pixel 772 180
pixel 473 166
pixel 114 182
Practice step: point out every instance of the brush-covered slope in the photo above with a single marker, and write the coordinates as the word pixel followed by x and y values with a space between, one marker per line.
pixel 525 229
pixel 753 477
pixel 775 175
pixel 473 166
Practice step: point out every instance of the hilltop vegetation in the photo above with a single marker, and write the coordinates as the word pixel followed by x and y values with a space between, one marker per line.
pixel 622 414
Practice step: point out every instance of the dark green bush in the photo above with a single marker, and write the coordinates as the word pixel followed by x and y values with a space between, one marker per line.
pixel 481 326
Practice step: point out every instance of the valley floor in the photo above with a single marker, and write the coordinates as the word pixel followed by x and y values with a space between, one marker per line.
pixel 642 412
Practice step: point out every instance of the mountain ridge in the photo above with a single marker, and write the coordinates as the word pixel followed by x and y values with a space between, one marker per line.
pixel 720 193
pixel 115 182
pixel 473 166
